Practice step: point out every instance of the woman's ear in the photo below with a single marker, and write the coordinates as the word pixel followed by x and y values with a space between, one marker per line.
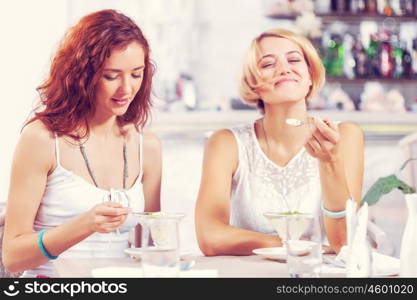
pixel 310 87
pixel 310 81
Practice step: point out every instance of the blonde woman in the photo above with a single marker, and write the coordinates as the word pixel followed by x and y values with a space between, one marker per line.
pixel 269 165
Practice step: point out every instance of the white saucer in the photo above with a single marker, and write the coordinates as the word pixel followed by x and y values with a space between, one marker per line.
pixel 135 253
pixel 275 253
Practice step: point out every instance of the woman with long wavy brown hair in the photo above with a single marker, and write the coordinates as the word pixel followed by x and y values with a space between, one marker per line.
pixel 84 161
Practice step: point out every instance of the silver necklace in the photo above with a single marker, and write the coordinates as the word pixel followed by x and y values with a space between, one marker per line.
pixel 267 155
pixel 266 137
pixel 91 172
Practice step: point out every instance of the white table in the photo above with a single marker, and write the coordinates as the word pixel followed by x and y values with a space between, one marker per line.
pixel 227 266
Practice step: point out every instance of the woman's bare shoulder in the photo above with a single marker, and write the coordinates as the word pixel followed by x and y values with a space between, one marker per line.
pixel 36 143
pixel 36 132
pixel 222 138
pixel 151 140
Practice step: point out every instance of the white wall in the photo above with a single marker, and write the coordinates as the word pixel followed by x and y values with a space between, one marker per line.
pixel 29 31
pixel 226 30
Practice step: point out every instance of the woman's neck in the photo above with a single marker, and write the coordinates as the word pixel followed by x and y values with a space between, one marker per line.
pixel 276 128
pixel 104 128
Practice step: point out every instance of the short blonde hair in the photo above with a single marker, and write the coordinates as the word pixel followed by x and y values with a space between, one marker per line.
pixel 251 79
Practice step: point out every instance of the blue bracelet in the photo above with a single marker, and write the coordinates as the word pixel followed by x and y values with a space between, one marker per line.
pixel 332 214
pixel 40 244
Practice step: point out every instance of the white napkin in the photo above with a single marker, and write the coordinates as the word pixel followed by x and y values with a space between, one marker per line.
pixel 382 243
pixel 127 272
pixel 357 256
pixel 382 265
pixel 385 265
pixel 358 259
pixel 327 269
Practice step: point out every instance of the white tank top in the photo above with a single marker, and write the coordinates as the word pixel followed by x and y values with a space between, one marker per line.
pixel 68 195
pixel 260 185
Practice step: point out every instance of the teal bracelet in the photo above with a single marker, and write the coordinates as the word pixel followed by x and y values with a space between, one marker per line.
pixel 332 214
pixel 41 247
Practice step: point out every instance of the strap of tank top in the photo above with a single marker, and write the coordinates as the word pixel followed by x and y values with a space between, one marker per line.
pixel 240 147
pixel 140 155
pixel 58 159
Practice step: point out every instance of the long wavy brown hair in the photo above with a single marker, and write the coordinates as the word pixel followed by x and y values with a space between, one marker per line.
pixel 67 96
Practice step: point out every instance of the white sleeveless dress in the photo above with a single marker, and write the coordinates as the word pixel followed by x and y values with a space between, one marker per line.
pixel 260 185
pixel 68 195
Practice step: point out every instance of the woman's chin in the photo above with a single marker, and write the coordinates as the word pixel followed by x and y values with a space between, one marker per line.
pixel 286 100
pixel 118 112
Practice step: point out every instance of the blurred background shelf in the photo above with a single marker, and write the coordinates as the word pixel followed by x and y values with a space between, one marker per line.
pixel 368 41
pixel 375 125
pixel 365 80
pixel 344 17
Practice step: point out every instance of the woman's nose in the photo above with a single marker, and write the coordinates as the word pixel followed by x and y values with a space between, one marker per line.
pixel 125 87
pixel 282 68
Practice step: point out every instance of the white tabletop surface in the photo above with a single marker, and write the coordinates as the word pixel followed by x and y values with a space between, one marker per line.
pixel 227 266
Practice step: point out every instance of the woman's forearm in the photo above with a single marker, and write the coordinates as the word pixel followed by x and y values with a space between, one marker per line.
pixel 334 185
pixel 335 192
pixel 231 240
pixel 23 252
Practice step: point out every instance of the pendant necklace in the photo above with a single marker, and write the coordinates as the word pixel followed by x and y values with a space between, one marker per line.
pixel 91 172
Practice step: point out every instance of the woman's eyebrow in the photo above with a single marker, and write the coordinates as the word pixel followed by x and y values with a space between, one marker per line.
pixel 266 56
pixel 117 70
pixel 273 56
pixel 293 51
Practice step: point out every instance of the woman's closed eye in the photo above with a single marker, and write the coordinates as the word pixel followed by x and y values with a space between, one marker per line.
pixel 294 60
pixel 110 77
pixel 266 65
pixel 114 77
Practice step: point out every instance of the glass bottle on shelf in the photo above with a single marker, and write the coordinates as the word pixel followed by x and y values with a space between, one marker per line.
pixel 397 54
pixel 386 8
pixel 372 56
pixel 335 58
pixel 347 5
pixel 386 65
pixel 396 7
pixel 357 6
pixel 414 57
pixel 360 56
pixel 322 6
pixel 338 6
pixel 380 5
pixel 354 9
pixel 371 6
pixel 407 62
pixel 407 7
pixel 341 6
pixel 348 61
pixel 333 5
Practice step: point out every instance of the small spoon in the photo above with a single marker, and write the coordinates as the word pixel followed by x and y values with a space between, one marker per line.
pixel 296 122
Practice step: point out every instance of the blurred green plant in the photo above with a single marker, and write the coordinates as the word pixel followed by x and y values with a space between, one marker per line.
pixel 385 185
